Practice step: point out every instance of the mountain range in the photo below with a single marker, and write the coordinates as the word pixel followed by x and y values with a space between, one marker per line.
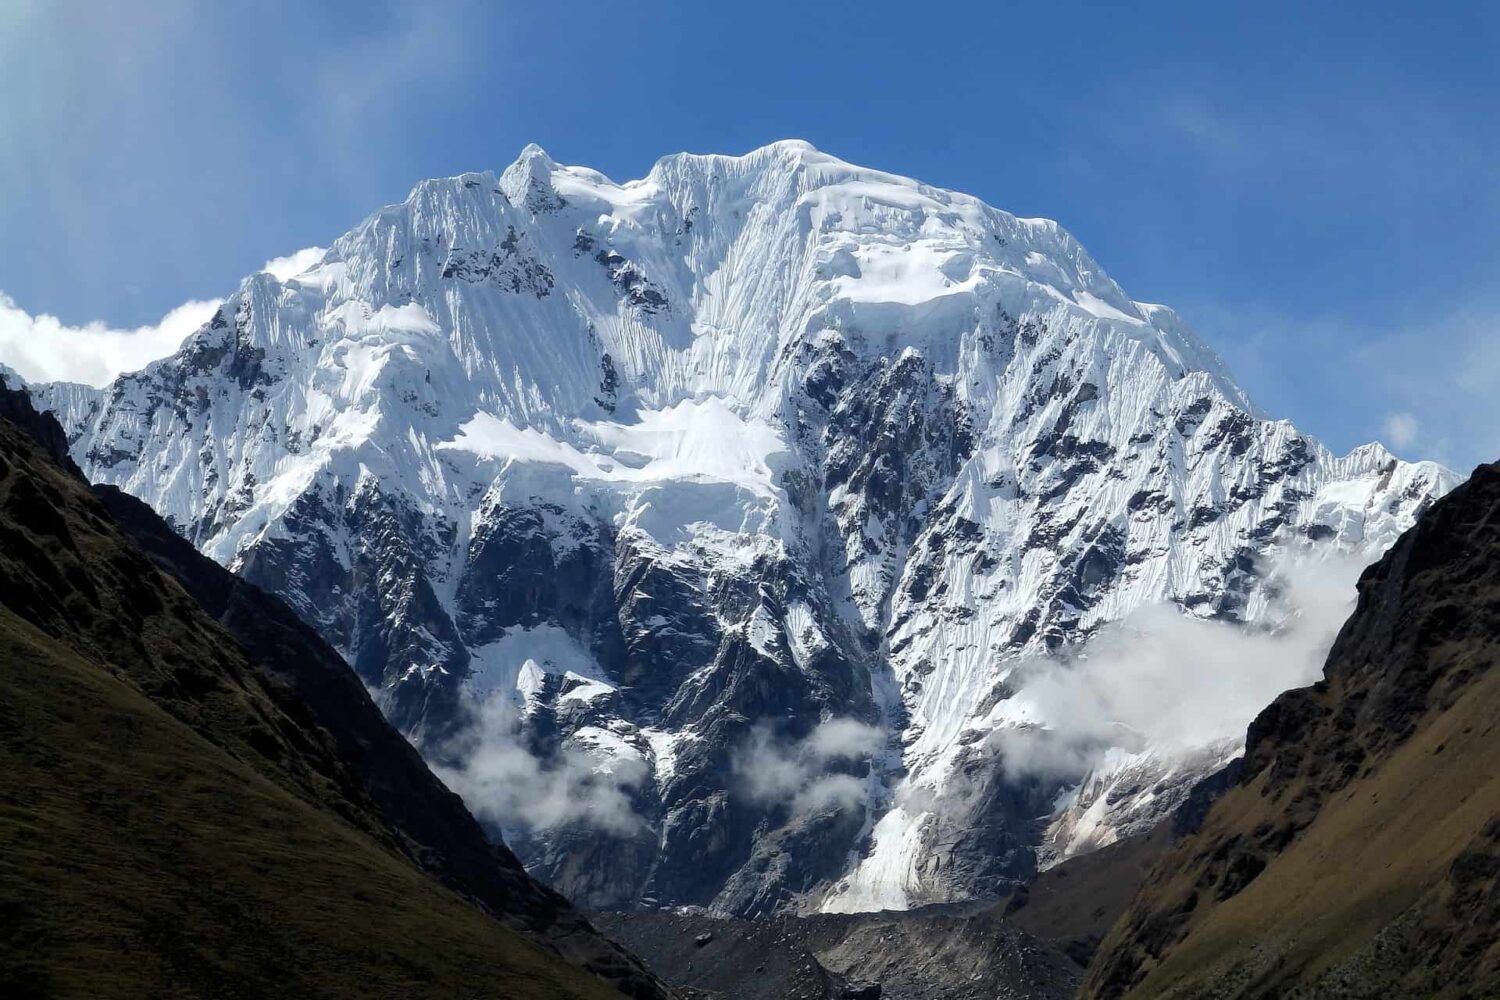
pixel 721 535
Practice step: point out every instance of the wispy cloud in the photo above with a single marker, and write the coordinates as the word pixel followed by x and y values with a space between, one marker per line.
pixel 293 264
pixel 1263 142
pixel 155 155
pixel 1401 429
pixel 812 774
pixel 356 94
pixel 507 785
pixel 1340 278
pixel 1421 383
pixel 42 348
pixel 1439 376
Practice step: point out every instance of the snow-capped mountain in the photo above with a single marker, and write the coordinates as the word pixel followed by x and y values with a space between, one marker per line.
pixel 696 525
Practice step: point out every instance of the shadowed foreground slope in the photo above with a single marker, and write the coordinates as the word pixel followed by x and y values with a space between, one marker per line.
pixel 1358 853
pixel 182 817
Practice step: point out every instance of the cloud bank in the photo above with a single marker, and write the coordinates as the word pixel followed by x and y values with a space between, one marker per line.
pixel 43 348
pixel 1163 679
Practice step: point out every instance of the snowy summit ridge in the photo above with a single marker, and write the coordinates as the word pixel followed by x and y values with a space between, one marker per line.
pixel 759 465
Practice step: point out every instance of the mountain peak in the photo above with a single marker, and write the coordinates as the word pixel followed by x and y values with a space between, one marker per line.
pixel 797 149
pixel 532 152
pixel 528 181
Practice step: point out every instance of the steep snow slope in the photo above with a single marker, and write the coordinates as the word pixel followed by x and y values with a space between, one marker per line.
pixel 697 525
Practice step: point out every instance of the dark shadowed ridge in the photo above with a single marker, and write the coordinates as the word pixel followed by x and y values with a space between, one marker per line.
pixel 198 794
pixel 1357 853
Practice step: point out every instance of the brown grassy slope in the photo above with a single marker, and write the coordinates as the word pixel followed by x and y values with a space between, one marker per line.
pixel 1358 855
pixel 172 820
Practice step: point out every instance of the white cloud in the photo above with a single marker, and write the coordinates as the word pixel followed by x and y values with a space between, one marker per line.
pixel 293 264
pixel 805 772
pixel 43 348
pixel 1400 429
pixel 1168 680
pixel 506 785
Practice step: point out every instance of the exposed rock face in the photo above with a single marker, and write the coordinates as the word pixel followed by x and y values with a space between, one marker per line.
pixel 1357 851
pixel 641 476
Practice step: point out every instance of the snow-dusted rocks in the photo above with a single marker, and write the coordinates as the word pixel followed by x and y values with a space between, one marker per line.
pixel 602 486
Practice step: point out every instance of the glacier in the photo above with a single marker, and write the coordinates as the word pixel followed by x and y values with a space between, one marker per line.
pixel 601 485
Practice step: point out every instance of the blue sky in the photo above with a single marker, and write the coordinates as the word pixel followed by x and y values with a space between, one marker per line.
pixel 1313 186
